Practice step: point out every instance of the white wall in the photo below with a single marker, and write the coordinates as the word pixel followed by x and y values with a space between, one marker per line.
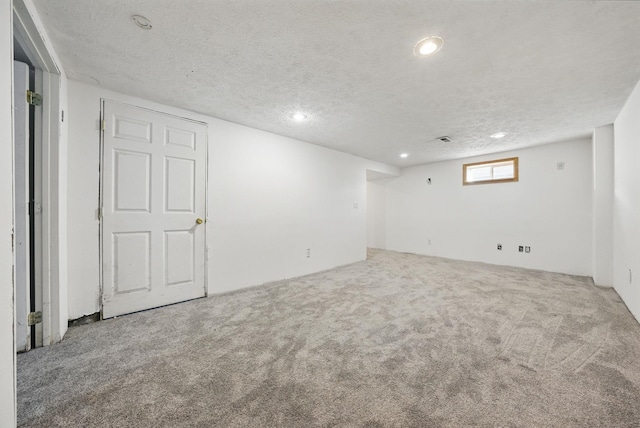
pixel 626 204
pixel 376 214
pixel 7 350
pixel 602 247
pixel 270 198
pixel 59 301
pixel 82 198
pixel 548 210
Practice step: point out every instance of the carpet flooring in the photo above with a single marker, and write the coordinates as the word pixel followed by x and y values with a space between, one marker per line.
pixel 399 340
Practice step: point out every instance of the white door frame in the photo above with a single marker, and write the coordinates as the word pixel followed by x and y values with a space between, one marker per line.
pixel 50 177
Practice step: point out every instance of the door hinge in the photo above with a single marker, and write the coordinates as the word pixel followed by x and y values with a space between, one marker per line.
pixel 34 318
pixel 100 213
pixel 34 98
pixel 103 124
pixel 34 208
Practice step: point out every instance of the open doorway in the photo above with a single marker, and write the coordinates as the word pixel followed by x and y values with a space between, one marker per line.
pixel 376 208
pixel 28 305
pixel 39 185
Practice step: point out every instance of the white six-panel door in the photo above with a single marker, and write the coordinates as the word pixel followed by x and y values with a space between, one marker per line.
pixel 153 201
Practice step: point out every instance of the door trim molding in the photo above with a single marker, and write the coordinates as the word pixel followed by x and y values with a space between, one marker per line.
pixel 50 174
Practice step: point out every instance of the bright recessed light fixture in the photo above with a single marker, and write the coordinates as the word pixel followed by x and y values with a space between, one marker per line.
pixel 499 135
pixel 142 22
pixel 404 155
pixel 299 116
pixel 428 45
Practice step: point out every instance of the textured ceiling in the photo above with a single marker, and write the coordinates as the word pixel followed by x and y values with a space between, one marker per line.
pixel 540 71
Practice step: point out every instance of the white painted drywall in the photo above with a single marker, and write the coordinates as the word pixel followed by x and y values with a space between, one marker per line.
pixel 82 118
pixel 626 204
pixel 602 257
pixel 270 198
pixel 376 214
pixel 7 350
pixel 60 301
pixel 548 210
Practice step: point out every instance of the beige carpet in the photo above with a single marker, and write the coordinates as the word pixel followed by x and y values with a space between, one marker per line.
pixel 397 341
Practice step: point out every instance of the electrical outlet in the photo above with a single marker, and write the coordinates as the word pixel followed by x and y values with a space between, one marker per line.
pixel 429 241
pixel 308 253
pixel 527 249
pixel 500 247
pixel 560 166
pixel 520 248
pixel 355 205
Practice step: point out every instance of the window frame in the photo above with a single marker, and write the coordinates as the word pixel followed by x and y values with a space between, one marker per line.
pixel 465 166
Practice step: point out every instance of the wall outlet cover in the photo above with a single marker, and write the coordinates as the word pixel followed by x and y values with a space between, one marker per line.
pixel 520 248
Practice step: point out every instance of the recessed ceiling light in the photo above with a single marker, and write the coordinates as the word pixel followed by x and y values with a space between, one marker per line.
pixel 428 45
pixel 499 135
pixel 142 22
pixel 404 155
pixel 299 116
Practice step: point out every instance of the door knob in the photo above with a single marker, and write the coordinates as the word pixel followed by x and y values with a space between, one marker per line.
pixel 199 221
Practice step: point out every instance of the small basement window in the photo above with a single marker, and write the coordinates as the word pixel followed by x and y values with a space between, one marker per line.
pixel 495 171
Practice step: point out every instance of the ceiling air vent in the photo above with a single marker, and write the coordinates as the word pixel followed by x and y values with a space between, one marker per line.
pixel 444 139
